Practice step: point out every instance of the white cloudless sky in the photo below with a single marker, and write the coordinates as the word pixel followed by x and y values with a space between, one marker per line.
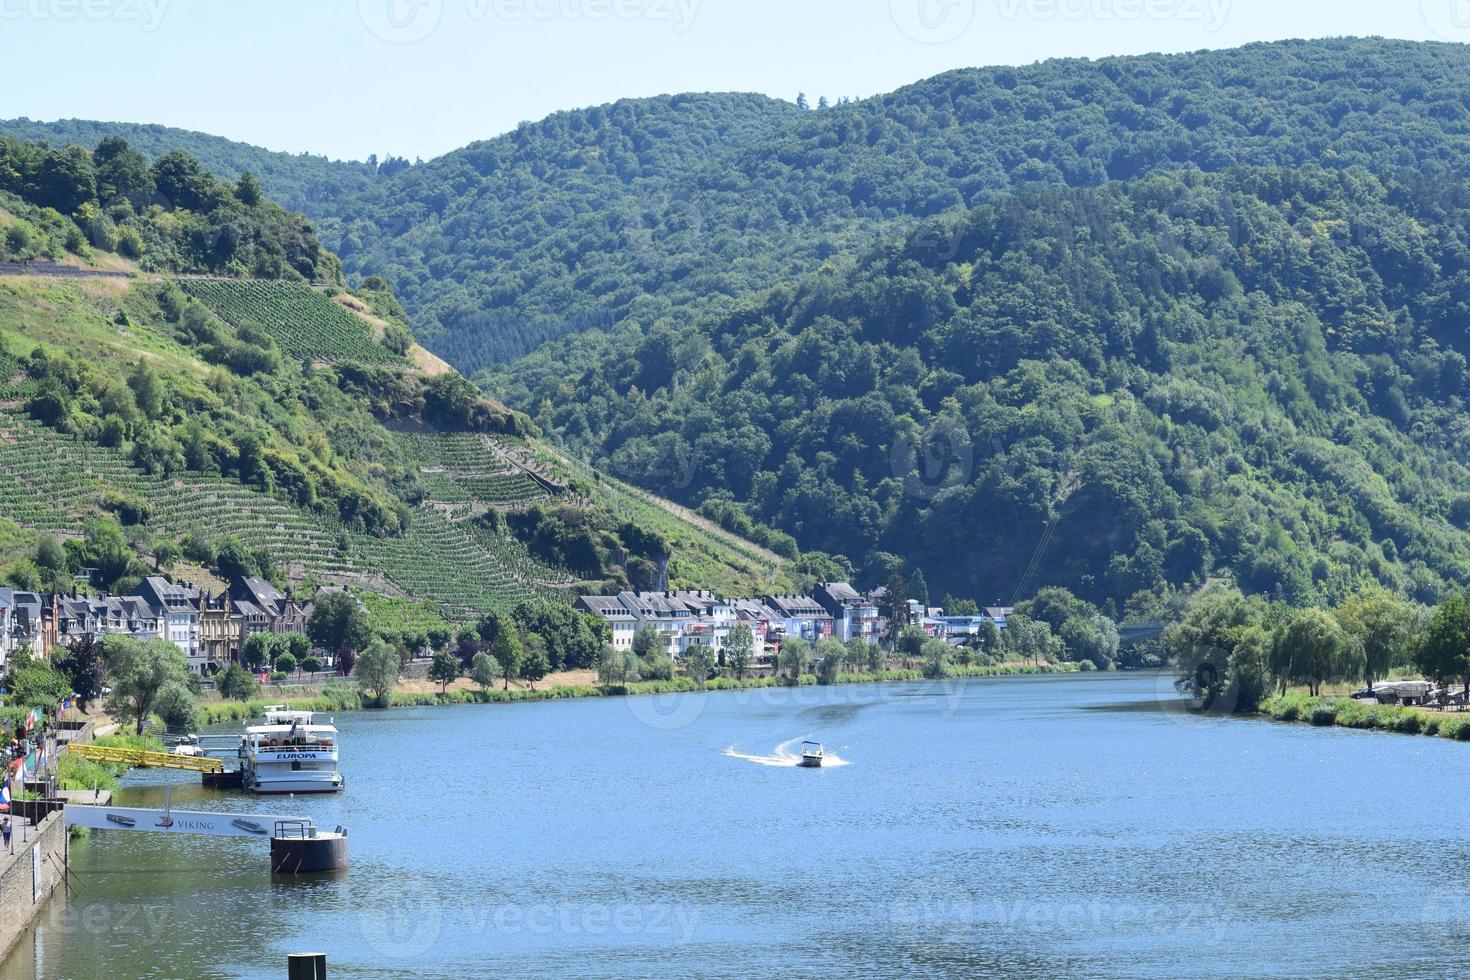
pixel 421 77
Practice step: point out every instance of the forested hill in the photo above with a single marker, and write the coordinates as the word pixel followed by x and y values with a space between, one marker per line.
pixel 1123 390
pixel 654 209
pixel 186 384
pixel 1115 324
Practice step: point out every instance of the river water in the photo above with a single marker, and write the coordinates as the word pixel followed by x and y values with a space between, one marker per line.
pixel 1028 826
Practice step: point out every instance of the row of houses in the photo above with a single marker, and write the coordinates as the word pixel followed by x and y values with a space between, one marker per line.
pixel 210 628
pixel 834 610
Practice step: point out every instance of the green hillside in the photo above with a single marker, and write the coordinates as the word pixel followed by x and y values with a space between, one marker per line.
pixel 225 425
pixel 1123 390
pixel 1117 324
pixel 655 209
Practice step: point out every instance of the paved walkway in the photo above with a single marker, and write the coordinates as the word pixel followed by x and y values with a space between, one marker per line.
pixel 21 832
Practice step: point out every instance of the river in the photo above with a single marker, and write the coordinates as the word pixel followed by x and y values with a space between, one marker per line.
pixel 1072 825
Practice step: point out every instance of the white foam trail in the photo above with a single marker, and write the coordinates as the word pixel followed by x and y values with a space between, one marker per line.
pixel 784 756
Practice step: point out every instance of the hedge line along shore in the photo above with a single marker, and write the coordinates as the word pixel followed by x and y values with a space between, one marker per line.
pixel 344 696
pixel 1329 710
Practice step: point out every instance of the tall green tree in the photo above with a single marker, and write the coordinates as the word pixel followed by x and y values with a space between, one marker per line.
pixel 1443 651
pixel 1383 623
pixel 483 670
pixel 507 651
pixel 536 663
pixel 699 663
pixel 338 623
pixel 138 671
pixel 84 666
pixel 1312 649
pixel 1202 643
pixel 376 672
pixel 795 654
pixel 237 683
pixel 444 670
pixel 740 650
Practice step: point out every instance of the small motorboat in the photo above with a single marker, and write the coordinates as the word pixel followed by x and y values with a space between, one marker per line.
pixel 811 755
pixel 121 820
pixel 188 745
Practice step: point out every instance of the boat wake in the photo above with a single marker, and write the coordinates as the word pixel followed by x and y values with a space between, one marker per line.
pixel 784 755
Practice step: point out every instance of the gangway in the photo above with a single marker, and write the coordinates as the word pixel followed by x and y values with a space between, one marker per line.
pixel 144 759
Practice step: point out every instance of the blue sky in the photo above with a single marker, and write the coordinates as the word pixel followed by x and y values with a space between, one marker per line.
pixel 421 77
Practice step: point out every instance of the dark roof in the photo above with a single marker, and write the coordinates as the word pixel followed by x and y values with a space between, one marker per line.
pixel 259 592
pixel 840 592
pixel 609 607
pixel 797 606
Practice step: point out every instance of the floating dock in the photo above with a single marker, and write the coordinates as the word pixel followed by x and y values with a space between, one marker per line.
pixel 224 779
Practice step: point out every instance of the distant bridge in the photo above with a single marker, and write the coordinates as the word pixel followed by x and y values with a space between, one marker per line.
pixel 1140 631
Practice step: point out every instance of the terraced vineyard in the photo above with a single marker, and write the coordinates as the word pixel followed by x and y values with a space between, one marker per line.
pixel 464 468
pixel 50 483
pixel 303 321
pixel 13 382
pixel 462 570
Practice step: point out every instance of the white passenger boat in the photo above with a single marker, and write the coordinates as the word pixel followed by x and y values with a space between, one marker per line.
pixel 811 755
pixel 290 753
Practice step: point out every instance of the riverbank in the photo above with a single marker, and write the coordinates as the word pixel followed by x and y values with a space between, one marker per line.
pixel 344 696
pixel 1343 712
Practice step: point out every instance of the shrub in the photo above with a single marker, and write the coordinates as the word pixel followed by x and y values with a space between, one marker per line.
pixel 237 683
pixel 311 664
pixel 178 708
pixel 74 772
pixel 286 664
pixel 1323 714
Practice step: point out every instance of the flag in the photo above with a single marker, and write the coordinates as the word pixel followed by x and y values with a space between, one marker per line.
pixel 5 794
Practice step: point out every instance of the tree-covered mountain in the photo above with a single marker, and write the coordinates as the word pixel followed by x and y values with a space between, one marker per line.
pixel 1172 315
pixel 174 390
pixel 1117 389
pixel 658 209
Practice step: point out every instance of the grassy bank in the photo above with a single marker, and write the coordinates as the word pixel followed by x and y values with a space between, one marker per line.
pixel 342 697
pixel 1324 711
pixel 74 772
